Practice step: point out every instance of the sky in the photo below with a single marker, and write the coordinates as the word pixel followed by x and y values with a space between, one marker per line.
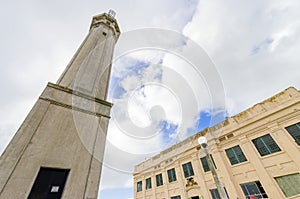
pixel 179 66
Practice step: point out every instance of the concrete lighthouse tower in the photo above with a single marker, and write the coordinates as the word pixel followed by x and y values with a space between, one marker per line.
pixel 58 150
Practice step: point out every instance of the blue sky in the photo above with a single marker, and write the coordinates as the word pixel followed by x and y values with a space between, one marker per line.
pixel 119 193
pixel 253 46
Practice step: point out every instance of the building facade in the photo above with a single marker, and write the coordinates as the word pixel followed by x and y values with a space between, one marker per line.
pixel 58 150
pixel 256 155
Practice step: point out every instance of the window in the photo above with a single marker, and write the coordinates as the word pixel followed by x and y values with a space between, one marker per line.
pixel 289 184
pixel 159 180
pixel 215 194
pixel 266 145
pixel 175 197
pixel 294 131
pixel 148 183
pixel 188 169
pixel 235 155
pixel 205 163
pixel 139 186
pixel 253 189
pixel 171 175
pixel 49 183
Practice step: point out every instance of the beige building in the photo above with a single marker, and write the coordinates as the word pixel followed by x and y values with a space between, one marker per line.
pixel 256 155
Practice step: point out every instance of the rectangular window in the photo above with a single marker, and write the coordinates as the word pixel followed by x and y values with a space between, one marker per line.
pixel 235 155
pixel 139 186
pixel 294 131
pixel 253 190
pixel 215 194
pixel 148 183
pixel 49 183
pixel 266 145
pixel 171 175
pixel 289 184
pixel 205 163
pixel 175 197
pixel 188 169
pixel 159 180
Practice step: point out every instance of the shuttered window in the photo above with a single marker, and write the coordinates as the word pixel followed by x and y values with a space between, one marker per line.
pixel 159 180
pixel 265 145
pixel 171 175
pixel 215 194
pixel 205 163
pixel 148 183
pixel 235 155
pixel 289 184
pixel 188 169
pixel 139 186
pixel 294 131
pixel 253 190
pixel 175 197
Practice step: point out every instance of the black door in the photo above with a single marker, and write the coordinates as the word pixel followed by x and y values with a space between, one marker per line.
pixel 49 184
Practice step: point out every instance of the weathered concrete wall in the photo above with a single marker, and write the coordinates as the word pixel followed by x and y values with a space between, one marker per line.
pixel 67 126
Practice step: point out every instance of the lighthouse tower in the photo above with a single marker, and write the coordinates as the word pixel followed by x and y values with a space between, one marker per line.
pixel 58 150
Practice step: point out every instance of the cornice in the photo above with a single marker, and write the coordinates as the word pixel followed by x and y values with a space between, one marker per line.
pixel 108 21
pixel 79 94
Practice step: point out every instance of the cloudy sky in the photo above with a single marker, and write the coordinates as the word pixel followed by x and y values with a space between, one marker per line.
pixel 203 61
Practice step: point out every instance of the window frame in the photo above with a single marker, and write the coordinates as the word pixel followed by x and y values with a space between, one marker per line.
pixel 263 147
pixel 159 180
pixel 190 171
pixel 171 178
pixel 235 151
pixel 139 188
pixel 262 193
pixel 215 194
pixel 294 134
pixel 294 182
pixel 204 163
pixel 148 183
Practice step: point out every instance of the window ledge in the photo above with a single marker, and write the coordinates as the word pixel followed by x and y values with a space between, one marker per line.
pixel 294 197
pixel 173 182
pixel 272 154
pixel 240 164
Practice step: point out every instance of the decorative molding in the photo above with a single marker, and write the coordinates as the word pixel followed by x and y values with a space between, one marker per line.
pixel 79 94
pixel 190 182
pixel 64 97
pixel 106 20
pixel 73 107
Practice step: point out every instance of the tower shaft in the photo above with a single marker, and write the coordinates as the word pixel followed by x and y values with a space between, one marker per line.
pixel 58 150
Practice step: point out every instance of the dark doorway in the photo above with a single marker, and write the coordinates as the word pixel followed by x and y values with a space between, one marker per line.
pixel 195 197
pixel 49 184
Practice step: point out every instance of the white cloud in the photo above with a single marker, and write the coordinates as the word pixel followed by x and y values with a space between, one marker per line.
pixel 230 31
pixel 159 85
pixel 230 37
